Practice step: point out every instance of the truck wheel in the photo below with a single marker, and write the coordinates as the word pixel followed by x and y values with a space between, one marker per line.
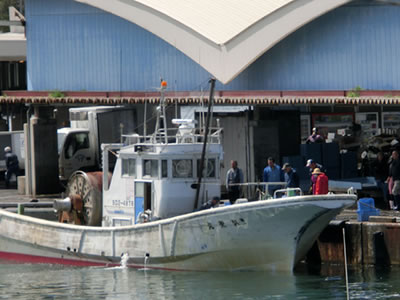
pixel 89 187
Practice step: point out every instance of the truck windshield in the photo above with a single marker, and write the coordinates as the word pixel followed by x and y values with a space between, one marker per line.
pixel 74 142
pixel 60 141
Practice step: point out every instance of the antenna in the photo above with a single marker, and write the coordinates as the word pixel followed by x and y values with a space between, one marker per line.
pixel 161 113
pixel 164 116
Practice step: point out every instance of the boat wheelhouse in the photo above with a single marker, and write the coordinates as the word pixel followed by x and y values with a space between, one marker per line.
pixel 156 178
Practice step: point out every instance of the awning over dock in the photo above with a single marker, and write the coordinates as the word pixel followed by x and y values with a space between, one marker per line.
pixel 248 98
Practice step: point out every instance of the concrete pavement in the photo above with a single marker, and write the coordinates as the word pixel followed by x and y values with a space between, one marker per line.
pixel 40 206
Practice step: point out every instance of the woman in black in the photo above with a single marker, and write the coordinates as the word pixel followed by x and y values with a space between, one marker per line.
pixel 380 169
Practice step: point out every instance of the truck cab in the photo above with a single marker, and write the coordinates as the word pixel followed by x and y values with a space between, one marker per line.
pixel 79 145
pixel 75 152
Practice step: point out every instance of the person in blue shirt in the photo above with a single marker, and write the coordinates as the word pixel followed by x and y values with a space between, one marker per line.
pixel 291 177
pixel 273 173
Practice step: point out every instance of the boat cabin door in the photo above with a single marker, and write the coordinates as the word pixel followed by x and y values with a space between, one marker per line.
pixel 143 195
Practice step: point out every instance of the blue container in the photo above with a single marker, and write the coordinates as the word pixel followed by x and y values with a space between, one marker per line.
pixel 365 214
pixel 366 208
pixel 366 204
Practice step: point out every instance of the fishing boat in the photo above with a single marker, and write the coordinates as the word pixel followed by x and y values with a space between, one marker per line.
pixel 148 211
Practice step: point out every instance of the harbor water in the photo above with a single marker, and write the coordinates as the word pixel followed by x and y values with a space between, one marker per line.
pixel 26 281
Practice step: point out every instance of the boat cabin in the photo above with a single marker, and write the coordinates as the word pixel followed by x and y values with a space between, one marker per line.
pixel 156 177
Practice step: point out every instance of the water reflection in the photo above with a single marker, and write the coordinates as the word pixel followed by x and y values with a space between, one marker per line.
pixel 55 282
pixel 366 282
pixel 102 283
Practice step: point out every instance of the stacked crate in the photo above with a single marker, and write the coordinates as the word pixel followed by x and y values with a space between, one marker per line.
pixel 337 165
pixel 349 165
pixel 331 160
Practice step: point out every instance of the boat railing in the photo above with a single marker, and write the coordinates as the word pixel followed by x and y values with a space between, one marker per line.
pixel 174 136
pixel 258 190
pixel 288 192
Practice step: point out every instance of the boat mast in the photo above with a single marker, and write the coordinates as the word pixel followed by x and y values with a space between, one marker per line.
pixel 203 153
pixel 161 113
pixel 145 120
pixel 164 116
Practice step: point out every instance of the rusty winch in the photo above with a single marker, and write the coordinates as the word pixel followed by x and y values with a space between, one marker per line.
pixel 70 210
pixel 83 206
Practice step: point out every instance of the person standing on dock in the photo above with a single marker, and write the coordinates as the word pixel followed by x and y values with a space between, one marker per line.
pixel 320 182
pixel 234 176
pixel 12 165
pixel 315 137
pixel 394 174
pixel 291 177
pixel 380 169
pixel 273 173
pixel 312 165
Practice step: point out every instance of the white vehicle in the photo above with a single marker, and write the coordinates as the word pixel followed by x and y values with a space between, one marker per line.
pixel 79 145
pixel 149 214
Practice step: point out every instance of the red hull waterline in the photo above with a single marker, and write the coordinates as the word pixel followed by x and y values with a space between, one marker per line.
pixel 34 259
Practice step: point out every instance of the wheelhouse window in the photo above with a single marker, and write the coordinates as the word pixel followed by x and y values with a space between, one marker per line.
pixel 164 168
pixel 182 168
pixel 129 167
pixel 211 163
pixel 150 168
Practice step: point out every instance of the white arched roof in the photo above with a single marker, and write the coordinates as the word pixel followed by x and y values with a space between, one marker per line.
pixel 222 36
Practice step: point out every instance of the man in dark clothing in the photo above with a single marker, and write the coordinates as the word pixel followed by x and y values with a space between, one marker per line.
pixel 234 176
pixel 380 169
pixel 11 164
pixel 394 172
pixel 291 176
pixel 312 164
pixel 315 137
pixel 214 202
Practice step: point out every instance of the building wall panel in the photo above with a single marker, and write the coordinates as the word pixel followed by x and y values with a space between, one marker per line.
pixel 72 46
pixel 96 51
pixel 356 45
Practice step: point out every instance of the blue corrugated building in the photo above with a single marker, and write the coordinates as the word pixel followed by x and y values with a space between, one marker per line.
pixel 75 47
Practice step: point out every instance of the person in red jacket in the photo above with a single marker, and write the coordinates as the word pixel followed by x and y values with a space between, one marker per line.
pixel 320 182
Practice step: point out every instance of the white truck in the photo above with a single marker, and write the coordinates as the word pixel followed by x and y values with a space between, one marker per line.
pixel 79 145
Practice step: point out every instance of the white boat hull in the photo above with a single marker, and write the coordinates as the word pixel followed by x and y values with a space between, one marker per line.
pixel 271 234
